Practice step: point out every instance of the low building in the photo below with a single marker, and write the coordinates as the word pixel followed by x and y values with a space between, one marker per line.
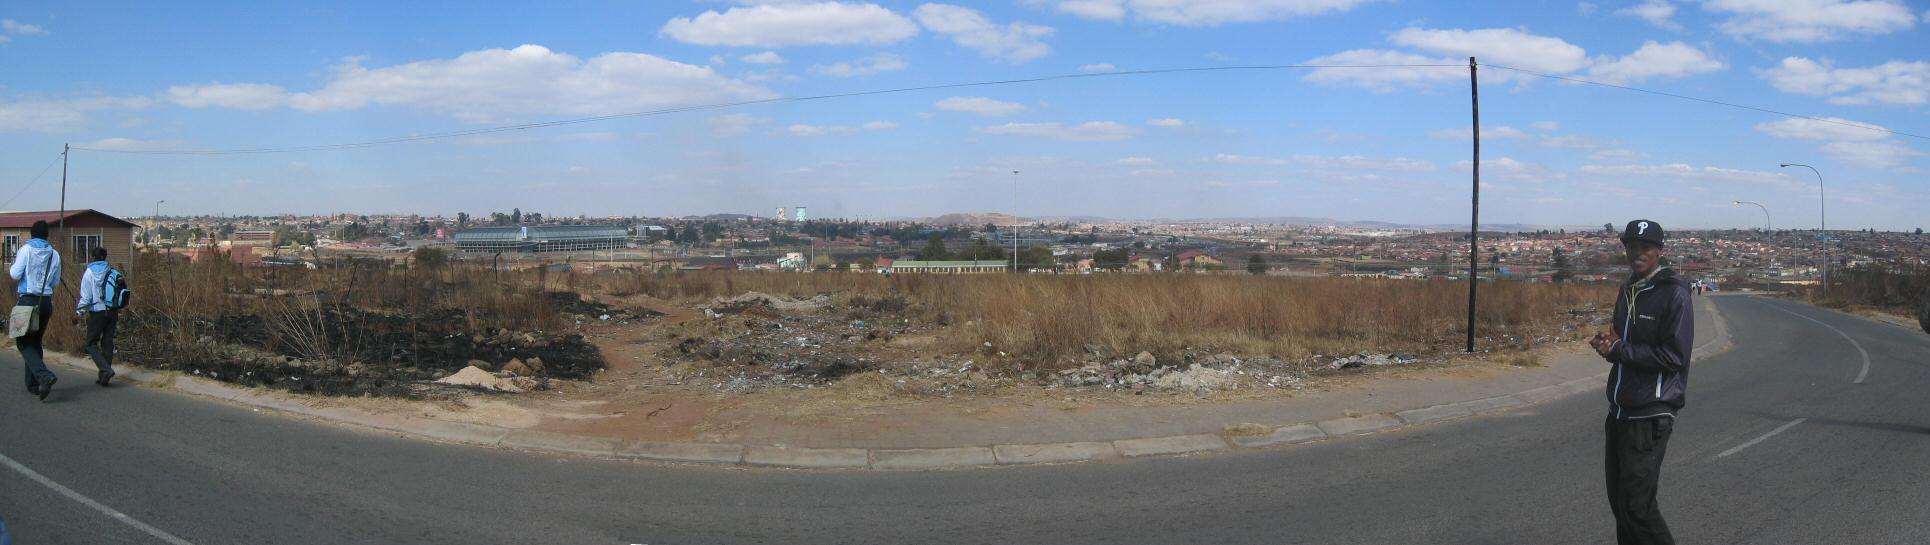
pixel 252 237
pixel 74 234
pixel 542 238
pixel 945 267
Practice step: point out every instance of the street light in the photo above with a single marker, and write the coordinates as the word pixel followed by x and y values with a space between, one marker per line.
pixel 1765 215
pixel 1822 221
pixel 156 220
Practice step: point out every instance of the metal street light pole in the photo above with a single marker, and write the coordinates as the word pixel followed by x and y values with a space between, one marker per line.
pixel 156 221
pixel 1765 215
pixel 1822 219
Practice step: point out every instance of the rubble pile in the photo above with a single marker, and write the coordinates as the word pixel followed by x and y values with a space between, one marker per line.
pixel 1198 374
pixel 757 339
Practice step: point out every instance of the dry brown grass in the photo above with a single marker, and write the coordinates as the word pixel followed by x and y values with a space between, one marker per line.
pixel 1053 318
pixel 1049 320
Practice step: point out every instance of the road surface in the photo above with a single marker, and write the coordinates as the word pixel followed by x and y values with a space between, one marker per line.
pixel 1779 444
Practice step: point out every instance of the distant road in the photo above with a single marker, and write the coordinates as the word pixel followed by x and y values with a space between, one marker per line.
pixel 1779 444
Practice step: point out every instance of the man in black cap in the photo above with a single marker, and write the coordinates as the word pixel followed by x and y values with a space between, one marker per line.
pixel 1649 345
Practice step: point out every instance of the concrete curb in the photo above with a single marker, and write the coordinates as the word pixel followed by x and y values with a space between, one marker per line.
pixel 972 456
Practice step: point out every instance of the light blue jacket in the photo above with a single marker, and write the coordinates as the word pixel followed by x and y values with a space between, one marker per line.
pixel 31 270
pixel 90 288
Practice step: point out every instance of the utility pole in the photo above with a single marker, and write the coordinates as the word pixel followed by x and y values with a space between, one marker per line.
pixel 1015 221
pixel 65 149
pixel 1474 223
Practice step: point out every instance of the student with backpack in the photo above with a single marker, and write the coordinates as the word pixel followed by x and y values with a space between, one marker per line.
pixel 103 291
pixel 35 272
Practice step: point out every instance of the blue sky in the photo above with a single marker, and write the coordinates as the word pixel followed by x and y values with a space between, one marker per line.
pixel 1379 144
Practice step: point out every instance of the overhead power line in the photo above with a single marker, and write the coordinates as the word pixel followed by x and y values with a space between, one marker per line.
pixel 1707 101
pixel 30 183
pixel 727 105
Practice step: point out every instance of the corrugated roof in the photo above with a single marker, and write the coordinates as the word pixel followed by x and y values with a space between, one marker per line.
pixel 22 220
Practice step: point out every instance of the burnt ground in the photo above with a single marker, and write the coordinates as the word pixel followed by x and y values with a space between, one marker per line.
pixel 344 350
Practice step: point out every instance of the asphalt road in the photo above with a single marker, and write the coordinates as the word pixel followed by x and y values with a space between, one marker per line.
pixel 1854 469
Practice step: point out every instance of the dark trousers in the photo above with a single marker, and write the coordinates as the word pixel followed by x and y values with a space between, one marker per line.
pixel 29 344
pixel 101 327
pixel 1634 467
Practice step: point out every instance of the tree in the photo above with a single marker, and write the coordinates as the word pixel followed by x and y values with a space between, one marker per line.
pixel 1563 271
pixel 1609 228
pixel 670 233
pixel 983 249
pixel 935 250
pixel 1256 264
pixel 430 258
pixel 1919 230
pixel 1036 257
pixel 516 216
pixel 688 236
pixel 462 220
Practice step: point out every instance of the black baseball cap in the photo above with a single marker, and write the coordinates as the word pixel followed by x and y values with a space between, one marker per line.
pixel 1643 230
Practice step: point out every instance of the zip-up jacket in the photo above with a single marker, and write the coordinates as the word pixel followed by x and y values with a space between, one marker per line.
pixel 91 284
pixel 1655 317
pixel 36 268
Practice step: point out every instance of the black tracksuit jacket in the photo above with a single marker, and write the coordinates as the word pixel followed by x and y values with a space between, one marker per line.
pixel 1656 319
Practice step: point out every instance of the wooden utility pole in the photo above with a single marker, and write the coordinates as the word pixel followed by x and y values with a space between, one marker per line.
pixel 1474 226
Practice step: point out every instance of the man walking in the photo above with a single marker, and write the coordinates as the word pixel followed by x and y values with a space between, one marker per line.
pixel 35 272
pixel 101 316
pixel 1654 330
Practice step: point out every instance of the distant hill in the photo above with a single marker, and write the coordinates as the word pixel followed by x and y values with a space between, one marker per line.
pixel 972 219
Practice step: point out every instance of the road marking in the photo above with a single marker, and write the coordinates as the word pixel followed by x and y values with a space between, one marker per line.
pixel 1752 442
pixel 1860 375
pixel 97 506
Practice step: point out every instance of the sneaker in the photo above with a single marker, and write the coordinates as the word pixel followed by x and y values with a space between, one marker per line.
pixel 47 388
pixel 105 375
pixel 33 389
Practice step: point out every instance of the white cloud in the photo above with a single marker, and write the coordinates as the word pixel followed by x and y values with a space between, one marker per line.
pixel 1875 154
pixel 1575 142
pixel 767 57
pixel 1385 79
pixel 1151 172
pixel 1467 133
pixel 1810 21
pixel 1166 122
pixel 130 144
pixel 1504 46
pixel 594 136
pixel 882 62
pixel 880 125
pixel 1656 12
pixel 793 23
pixel 1678 172
pixel 1827 128
pixel 1673 59
pixel 577 169
pixel 1399 164
pixel 1015 42
pixel 244 96
pixel 979 105
pixel 1097 68
pixel 1234 159
pixel 732 124
pixel 1585 9
pixel 1899 83
pixel 1545 125
pixel 1620 155
pixel 17 28
pixel 1090 131
pixel 494 83
pixel 1510 169
pixel 1098 10
pixel 1204 13
pixel 1136 161
pixel 816 130
pixel 60 115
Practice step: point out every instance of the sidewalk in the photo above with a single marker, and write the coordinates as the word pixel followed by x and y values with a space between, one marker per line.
pixel 1023 434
